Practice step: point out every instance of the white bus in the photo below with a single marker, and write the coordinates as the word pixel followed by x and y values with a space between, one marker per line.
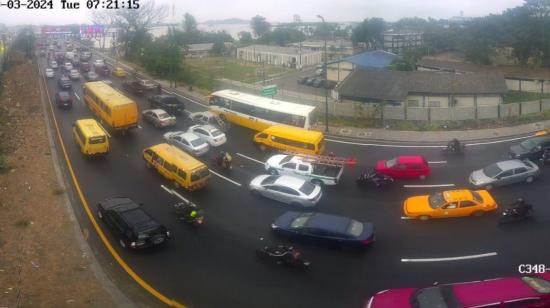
pixel 258 112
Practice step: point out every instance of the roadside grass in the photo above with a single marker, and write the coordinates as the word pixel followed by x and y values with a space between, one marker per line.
pixel 435 125
pixel 4 166
pixel 201 72
pixel 58 191
pixel 23 223
pixel 517 96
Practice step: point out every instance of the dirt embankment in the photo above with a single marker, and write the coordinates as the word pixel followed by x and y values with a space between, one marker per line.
pixel 41 263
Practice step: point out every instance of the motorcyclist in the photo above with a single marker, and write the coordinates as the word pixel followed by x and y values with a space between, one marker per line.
pixel 454 145
pixel 520 207
pixel 279 251
pixel 545 158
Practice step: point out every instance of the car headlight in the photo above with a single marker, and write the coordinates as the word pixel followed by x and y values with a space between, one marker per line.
pixel 274 226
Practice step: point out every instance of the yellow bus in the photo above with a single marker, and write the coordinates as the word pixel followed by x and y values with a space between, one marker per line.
pixel 111 107
pixel 177 166
pixel 90 137
pixel 257 112
pixel 293 139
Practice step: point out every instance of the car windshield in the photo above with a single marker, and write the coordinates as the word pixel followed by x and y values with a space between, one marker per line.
pixel 492 170
pixel 199 174
pixel 355 228
pixel 64 95
pixel 215 133
pixel 163 115
pixel 286 159
pixel 171 100
pixel 307 188
pixel 528 144
pixel 476 196
pixel 97 140
pixel 436 200
pixel 197 142
pixel 390 163
pixel 429 298
pixel 270 180
pixel 300 221
pixel 538 284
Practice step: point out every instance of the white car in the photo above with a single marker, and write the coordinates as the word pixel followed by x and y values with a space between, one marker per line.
pixel 68 66
pixel 53 64
pixel 287 189
pixel 209 133
pixel 159 117
pixel 91 75
pixel 50 73
pixel 147 84
pixel 99 62
pixel 74 74
pixel 188 142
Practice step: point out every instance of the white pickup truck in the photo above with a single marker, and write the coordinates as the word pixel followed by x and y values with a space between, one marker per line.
pixel 317 172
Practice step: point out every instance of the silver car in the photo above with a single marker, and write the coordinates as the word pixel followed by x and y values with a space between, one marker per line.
pixel 158 117
pixel 287 189
pixel 504 173
pixel 188 142
pixel 211 134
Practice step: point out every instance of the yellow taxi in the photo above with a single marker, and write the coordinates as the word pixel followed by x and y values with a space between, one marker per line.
pixel 450 203
pixel 119 72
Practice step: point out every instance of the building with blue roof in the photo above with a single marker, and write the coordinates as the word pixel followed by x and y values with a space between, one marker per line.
pixel 373 60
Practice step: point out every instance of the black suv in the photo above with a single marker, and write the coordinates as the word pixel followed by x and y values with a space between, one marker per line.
pixel 168 103
pixel 531 148
pixel 134 227
pixel 64 82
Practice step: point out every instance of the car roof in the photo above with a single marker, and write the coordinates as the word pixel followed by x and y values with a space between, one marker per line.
pixel 510 164
pixel 189 136
pixel 334 223
pixel 157 111
pixel 477 293
pixel 119 203
pixel 290 181
pixel 207 127
pixel 457 195
pixel 411 159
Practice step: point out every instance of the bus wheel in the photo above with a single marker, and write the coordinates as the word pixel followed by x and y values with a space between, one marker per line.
pixel 149 166
pixel 262 147
pixel 176 184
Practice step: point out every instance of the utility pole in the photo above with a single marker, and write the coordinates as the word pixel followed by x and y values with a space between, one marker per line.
pixel 326 73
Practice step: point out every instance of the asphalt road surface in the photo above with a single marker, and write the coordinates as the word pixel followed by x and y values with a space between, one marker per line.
pixel 215 265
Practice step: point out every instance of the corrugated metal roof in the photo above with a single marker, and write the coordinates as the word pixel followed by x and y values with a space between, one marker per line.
pixel 377 59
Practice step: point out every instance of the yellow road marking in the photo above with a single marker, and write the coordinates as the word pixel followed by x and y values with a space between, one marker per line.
pixel 116 256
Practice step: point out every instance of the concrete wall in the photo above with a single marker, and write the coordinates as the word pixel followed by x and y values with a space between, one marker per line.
pixel 493 100
pixel 464 101
pixel 339 71
pixel 394 113
pixel 487 112
pixel 417 114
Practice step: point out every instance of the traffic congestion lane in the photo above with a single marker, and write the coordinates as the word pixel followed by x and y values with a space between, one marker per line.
pixel 235 221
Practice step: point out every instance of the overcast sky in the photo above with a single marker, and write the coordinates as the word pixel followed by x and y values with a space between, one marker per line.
pixel 281 10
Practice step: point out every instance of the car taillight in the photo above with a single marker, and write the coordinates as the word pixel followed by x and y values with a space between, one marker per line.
pixel 367 242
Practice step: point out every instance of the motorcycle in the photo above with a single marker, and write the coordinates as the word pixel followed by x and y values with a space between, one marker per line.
pixel 452 150
pixel 378 179
pixel 544 159
pixel 512 214
pixel 283 254
pixel 223 161
pixel 184 210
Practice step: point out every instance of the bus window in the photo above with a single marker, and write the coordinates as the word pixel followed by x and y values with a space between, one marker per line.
pixel 96 140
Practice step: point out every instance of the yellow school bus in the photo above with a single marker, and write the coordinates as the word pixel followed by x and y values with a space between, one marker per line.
pixel 258 112
pixel 293 139
pixel 90 137
pixel 177 166
pixel 112 108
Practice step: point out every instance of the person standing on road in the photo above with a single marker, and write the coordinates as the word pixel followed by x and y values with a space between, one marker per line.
pixel 159 89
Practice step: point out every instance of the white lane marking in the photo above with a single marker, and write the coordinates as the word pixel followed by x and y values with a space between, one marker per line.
pixel 437 162
pixel 427 146
pixel 427 186
pixel 407 218
pixel 77 96
pixel 483 255
pixel 227 179
pixel 173 192
pixel 106 132
pixel 139 126
pixel 250 158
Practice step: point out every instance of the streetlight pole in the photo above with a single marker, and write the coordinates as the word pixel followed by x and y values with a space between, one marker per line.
pixel 326 73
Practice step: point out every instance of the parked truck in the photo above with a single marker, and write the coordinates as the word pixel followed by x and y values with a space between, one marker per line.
pixel 317 171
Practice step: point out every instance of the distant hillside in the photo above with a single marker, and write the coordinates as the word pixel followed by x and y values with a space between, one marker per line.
pixel 232 21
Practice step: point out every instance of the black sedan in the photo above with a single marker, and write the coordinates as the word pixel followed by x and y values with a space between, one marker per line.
pixel 168 103
pixel 531 148
pixel 326 228
pixel 133 226
pixel 64 82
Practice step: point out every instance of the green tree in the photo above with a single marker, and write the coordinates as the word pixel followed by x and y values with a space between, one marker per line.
pixel 282 37
pixel 369 31
pixel 189 23
pixel 407 62
pixel 411 23
pixel 259 25
pixel 245 38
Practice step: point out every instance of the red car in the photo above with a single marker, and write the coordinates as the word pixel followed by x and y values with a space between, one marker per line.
pixel 406 167
pixel 525 292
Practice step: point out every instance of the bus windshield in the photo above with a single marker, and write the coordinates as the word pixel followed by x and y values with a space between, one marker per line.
pixel 199 174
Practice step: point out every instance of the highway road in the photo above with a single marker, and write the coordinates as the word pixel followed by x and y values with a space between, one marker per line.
pixel 215 265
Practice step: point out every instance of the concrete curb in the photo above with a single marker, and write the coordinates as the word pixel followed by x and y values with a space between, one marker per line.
pixel 118 297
